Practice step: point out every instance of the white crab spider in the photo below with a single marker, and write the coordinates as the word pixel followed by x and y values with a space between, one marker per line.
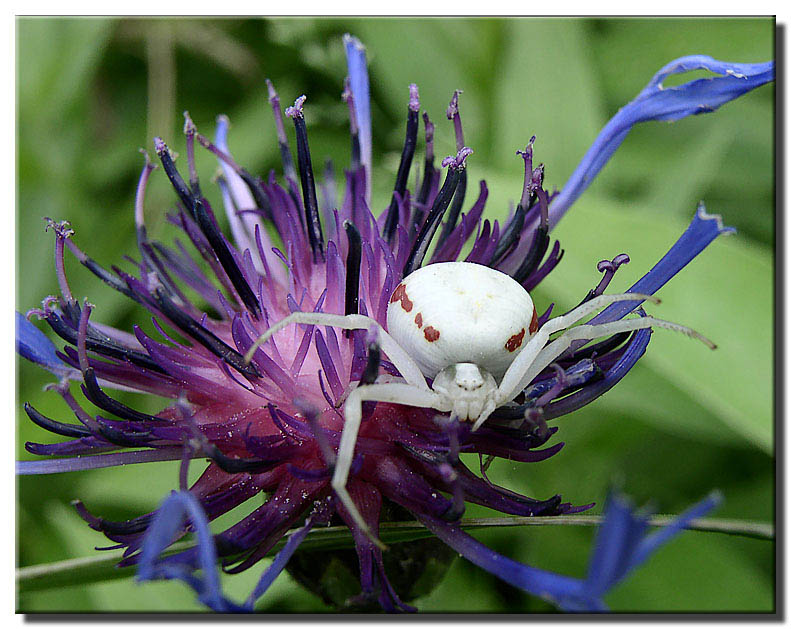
pixel 461 324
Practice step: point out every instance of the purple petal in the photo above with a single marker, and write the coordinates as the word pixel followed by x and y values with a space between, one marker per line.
pixel 56 466
pixel 657 102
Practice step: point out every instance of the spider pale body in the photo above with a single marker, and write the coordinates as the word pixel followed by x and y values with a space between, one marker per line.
pixel 478 314
pixel 459 312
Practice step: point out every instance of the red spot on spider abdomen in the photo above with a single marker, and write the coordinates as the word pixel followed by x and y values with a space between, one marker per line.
pixel 431 334
pixel 419 320
pixel 534 322
pixel 399 294
pixel 515 341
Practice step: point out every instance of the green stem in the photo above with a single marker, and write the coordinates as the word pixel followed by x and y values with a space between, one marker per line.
pixel 102 567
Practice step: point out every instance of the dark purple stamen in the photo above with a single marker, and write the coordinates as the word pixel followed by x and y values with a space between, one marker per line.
pixel 608 268
pixel 67 430
pixel 208 226
pixel 98 343
pixel 94 393
pixel 429 172
pixel 235 465
pixel 189 131
pixel 310 202
pixel 108 278
pixel 370 374
pixel 461 191
pixel 455 209
pixel 533 181
pixel 371 371
pixel 455 166
pixel 189 326
pixel 353 258
pixel 120 437
pixel 184 193
pixel 578 375
pixel 601 348
pixel 457 505
pixel 63 232
pixel 127 527
pixel 535 424
pixel 154 264
pixel 453 114
pixel 540 242
pixel 410 142
pixel 282 139
pixel 200 212
pixel 354 129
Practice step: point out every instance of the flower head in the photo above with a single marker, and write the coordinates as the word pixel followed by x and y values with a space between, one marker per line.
pixel 270 416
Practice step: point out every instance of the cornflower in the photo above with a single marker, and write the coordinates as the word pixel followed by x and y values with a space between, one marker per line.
pixel 270 416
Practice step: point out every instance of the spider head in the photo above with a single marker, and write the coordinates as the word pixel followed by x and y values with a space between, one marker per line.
pixel 468 389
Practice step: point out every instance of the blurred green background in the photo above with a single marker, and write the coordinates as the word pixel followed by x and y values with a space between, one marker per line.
pixel 91 91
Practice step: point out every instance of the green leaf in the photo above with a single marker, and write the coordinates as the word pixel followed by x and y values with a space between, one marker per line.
pixel 56 58
pixel 699 573
pixel 546 86
pixel 443 55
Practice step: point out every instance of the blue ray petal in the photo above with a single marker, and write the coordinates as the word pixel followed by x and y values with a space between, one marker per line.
pixel 33 344
pixel 621 545
pixel 652 542
pixel 280 561
pixel 358 79
pixel 657 102
pixel 703 229
pixel 167 524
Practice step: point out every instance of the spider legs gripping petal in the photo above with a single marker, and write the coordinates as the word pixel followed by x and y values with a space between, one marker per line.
pixel 552 351
pixel 394 392
pixel 510 385
pixel 402 361
pixel 589 307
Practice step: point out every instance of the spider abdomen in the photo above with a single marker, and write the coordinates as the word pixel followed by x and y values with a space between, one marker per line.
pixel 459 312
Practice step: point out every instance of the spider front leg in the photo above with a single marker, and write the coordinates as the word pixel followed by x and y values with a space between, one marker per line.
pixel 394 392
pixel 588 332
pixel 515 375
pixel 402 361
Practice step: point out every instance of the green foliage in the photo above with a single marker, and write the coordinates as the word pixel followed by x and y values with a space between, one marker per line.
pixel 683 422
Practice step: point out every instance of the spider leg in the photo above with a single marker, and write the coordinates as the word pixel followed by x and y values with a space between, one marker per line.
pixel 552 351
pixel 402 361
pixel 488 409
pixel 395 392
pixel 509 385
pixel 589 307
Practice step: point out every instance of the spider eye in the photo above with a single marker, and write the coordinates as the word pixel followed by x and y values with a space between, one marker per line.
pixel 459 312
